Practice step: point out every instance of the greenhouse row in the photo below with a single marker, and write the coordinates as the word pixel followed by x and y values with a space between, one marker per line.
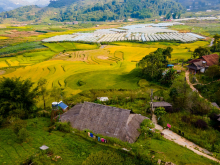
pixel 112 37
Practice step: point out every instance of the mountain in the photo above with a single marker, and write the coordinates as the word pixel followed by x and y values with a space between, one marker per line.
pixel 199 5
pixel 13 4
pixel 95 10
pixel 8 5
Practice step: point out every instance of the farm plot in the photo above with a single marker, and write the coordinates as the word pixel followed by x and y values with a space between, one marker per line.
pixel 129 36
pixel 67 46
pixel 26 59
pixel 21 47
pixel 67 69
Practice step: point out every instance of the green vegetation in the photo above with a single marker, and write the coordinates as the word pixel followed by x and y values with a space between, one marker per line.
pixel 78 72
pixel 153 66
pixel 71 10
pixel 191 114
pixel 17 98
pixel 21 47
pixel 78 148
pixel 200 27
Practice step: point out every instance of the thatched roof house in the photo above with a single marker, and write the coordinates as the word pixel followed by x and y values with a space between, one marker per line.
pixel 105 120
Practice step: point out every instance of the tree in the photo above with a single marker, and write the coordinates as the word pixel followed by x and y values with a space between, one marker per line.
pixel 216 37
pixel 56 94
pixel 174 15
pixel 42 90
pixel 168 78
pixel 153 64
pixel 213 71
pixel 160 111
pixel 17 97
pixel 173 94
pixel 201 51
pixel 179 15
pixel 167 52
pixel 168 16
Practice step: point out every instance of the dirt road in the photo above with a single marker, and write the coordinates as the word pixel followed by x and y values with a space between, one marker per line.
pixel 170 135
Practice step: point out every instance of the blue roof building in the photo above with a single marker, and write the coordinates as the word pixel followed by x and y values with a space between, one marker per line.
pixel 57 105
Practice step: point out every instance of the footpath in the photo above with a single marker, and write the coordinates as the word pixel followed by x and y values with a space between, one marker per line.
pixel 190 84
pixel 170 135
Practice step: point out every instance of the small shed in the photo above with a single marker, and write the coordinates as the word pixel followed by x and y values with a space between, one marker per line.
pixel 102 98
pixel 164 104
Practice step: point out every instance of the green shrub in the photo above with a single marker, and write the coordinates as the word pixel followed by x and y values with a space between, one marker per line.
pixel 23 134
pixel 80 83
pixel 201 124
pixel 18 125
pixel 146 125
pixel 160 111
pixel 104 158
pixel 143 83
pixel 1 120
pixel 44 113
pixel 63 126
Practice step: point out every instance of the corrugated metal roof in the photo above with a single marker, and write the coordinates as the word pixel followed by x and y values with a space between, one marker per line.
pixel 62 105
pixel 212 59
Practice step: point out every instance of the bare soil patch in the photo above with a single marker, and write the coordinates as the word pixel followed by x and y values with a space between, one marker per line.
pixel 15 33
pixel 102 57
pixel 2 72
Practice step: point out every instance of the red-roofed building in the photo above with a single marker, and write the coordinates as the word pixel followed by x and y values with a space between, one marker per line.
pixel 203 63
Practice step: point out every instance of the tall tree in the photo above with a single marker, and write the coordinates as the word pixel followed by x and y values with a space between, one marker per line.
pixel 216 37
pixel 153 64
pixel 42 90
pixel 201 51
pixel 17 97
pixel 213 71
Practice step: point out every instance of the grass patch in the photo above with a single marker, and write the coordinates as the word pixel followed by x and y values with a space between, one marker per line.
pixel 74 148
pixel 20 47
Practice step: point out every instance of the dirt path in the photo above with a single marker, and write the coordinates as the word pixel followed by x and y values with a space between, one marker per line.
pixel 190 84
pixel 170 135
pixel 212 42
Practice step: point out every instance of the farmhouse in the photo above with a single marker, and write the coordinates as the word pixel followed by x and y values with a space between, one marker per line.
pixel 105 120
pixel 203 63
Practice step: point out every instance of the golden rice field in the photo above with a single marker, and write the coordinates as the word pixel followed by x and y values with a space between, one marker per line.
pixel 109 67
pixel 3 38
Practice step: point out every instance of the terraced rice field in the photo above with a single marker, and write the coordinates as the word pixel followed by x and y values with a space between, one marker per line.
pixel 102 68
pixel 109 67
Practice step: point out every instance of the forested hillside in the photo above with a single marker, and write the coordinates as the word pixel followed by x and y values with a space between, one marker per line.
pixel 95 10
pixel 200 4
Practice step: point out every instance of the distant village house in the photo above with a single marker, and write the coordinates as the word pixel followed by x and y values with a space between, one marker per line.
pixel 200 65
